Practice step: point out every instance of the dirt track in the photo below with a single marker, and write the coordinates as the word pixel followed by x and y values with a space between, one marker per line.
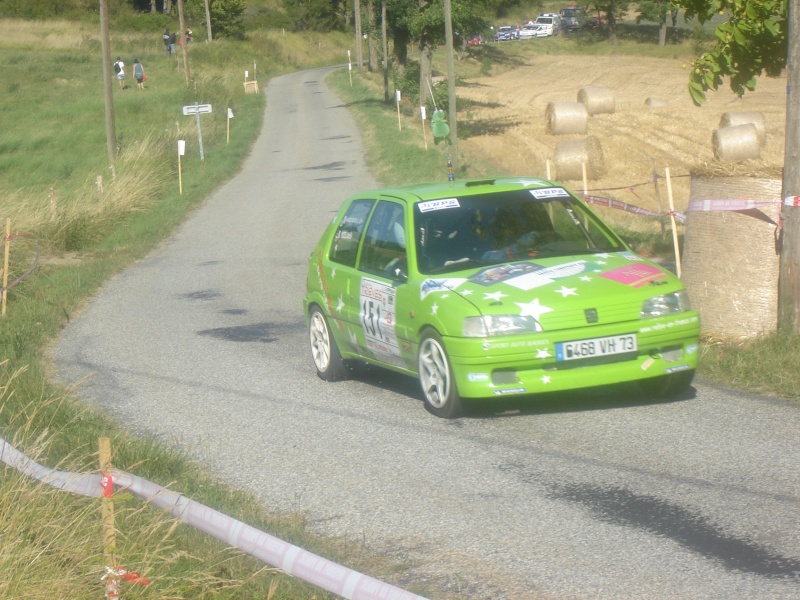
pixel 506 121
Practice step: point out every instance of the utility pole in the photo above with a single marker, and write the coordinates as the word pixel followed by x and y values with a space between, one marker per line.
pixel 208 21
pixel 359 52
pixel 184 50
pixel 108 87
pixel 789 281
pixel 385 53
pixel 451 78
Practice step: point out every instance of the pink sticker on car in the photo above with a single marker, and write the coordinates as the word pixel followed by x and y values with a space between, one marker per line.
pixel 635 275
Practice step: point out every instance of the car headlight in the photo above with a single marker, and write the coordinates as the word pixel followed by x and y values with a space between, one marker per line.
pixel 666 304
pixel 490 325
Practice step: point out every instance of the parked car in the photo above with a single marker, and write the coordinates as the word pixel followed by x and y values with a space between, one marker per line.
pixel 550 24
pixel 528 31
pixel 505 33
pixel 493 288
pixel 573 18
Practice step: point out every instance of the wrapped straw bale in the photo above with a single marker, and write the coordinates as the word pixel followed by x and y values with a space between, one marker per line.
pixel 736 143
pixel 652 102
pixel 597 100
pixel 729 119
pixel 566 117
pixel 730 263
pixel 571 154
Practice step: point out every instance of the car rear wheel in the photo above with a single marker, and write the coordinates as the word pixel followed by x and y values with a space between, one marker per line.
pixel 436 378
pixel 327 359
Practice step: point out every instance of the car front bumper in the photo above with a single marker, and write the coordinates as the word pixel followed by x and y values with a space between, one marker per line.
pixel 528 364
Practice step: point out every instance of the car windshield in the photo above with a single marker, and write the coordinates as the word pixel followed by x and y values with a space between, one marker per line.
pixel 458 233
pixel 545 20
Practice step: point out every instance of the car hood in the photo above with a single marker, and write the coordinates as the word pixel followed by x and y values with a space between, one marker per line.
pixel 561 292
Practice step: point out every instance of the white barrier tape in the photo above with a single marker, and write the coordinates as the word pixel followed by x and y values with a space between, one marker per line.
pixel 792 201
pixel 85 485
pixel 631 208
pixel 294 560
pixel 728 205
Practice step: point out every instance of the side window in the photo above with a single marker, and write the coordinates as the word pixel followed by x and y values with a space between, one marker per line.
pixel 385 241
pixel 348 234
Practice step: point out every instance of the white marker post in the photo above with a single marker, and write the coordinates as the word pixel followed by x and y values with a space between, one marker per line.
pixel 181 152
pixel 424 116
pixel 228 134
pixel 397 99
pixel 350 68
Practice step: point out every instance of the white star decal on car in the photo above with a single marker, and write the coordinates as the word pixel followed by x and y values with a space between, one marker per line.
pixel 586 278
pixel 494 296
pixel 565 291
pixel 333 273
pixel 545 379
pixel 532 309
pixel 340 306
pixel 353 339
pixel 466 293
pixel 435 309
pixel 542 353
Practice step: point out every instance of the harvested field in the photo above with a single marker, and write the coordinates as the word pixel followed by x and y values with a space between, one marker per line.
pixel 504 123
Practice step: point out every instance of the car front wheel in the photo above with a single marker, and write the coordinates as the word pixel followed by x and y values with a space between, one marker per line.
pixel 327 359
pixel 436 378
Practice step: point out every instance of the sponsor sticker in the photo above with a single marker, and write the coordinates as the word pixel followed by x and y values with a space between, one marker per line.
pixel 635 275
pixel 377 302
pixel 550 193
pixel 438 204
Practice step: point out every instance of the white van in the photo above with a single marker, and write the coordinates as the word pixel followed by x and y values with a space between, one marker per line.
pixel 549 24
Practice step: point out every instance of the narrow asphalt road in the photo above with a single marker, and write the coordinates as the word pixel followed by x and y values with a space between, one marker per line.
pixel 596 496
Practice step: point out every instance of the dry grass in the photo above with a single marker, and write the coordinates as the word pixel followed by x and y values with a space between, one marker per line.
pixel 18 33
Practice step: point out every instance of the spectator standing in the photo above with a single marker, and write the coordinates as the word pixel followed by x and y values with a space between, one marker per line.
pixel 119 69
pixel 166 38
pixel 172 39
pixel 138 73
pixel 188 36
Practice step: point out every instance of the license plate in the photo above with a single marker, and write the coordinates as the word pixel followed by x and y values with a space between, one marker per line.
pixel 605 346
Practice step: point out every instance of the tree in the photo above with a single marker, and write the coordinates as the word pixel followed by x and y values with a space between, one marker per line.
pixel 614 11
pixel 315 15
pixel 751 42
pixel 658 11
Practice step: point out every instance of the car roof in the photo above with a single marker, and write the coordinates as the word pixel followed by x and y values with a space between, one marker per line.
pixel 421 192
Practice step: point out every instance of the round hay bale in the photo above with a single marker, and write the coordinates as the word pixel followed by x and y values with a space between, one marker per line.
pixel 729 119
pixel 730 264
pixel 655 103
pixel 571 154
pixel 597 100
pixel 566 117
pixel 736 143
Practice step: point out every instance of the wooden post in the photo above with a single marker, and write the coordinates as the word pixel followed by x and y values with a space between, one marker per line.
pixel 107 506
pixel 5 263
pixel 585 182
pixel 547 168
pixel 672 222
pixel 789 279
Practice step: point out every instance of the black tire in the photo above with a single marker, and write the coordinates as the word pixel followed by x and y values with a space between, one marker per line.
pixel 324 351
pixel 668 386
pixel 436 378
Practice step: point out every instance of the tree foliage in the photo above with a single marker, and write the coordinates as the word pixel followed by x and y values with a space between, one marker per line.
pixel 316 15
pixel 753 41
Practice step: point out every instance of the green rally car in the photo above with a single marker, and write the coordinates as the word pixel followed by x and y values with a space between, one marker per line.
pixel 492 288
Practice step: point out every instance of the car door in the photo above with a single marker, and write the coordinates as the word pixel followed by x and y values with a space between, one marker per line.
pixel 383 287
pixel 339 276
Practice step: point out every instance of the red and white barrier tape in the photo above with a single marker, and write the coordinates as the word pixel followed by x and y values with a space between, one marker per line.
pixel 292 559
pixel 792 201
